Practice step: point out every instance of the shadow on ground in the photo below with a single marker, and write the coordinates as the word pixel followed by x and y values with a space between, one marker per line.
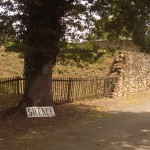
pixel 77 127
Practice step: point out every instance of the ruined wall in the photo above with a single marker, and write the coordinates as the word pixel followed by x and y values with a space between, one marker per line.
pixel 124 45
pixel 133 71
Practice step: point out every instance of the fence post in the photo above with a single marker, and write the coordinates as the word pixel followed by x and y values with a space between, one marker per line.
pixel 69 90
pixel 105 87
pixel 18 89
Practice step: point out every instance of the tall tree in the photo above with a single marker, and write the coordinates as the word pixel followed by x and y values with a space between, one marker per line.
pixel 44 30
pixel 40 27
pixel 123 18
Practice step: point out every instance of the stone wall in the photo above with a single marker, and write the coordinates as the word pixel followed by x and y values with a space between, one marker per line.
pixel 122 45
pixel 133 71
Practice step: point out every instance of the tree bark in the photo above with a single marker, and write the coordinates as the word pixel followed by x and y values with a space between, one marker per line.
pixel 38 80
pixel 40 92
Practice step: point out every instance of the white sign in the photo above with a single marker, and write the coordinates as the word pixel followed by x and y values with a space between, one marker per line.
pixel 40 112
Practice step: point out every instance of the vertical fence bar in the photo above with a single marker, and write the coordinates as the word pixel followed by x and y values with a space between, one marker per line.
pixel 69 90
pixel 18 90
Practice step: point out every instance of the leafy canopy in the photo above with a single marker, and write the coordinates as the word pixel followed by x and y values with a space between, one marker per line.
pixel 74 19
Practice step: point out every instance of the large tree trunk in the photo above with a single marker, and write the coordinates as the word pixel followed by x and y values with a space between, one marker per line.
pixel 38 85
pixel 40 92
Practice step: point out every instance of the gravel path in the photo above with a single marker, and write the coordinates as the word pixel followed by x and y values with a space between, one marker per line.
pixel 126 129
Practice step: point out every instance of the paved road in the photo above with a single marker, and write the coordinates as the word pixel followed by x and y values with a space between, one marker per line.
pixel 128 129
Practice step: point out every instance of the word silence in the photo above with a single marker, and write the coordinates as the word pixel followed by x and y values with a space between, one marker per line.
pixel 40 112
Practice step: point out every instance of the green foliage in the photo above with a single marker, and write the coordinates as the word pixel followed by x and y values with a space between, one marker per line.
pixel 40 27
pixel 81 53
pixel 17 47
pixel 146 44
pixel 122 19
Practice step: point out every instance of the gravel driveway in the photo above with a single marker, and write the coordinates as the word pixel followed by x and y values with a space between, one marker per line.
pixel 124 129
pixel 128 129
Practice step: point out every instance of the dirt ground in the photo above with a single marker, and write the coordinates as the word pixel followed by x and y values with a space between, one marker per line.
pixel 104 124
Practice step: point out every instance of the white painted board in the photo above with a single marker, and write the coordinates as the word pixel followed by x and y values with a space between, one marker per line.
pixel 40 112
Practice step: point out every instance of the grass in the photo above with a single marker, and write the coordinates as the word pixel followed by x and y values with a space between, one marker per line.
pixel 12 65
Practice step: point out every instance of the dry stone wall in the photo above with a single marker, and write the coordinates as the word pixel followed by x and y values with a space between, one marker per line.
pixel 133 71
